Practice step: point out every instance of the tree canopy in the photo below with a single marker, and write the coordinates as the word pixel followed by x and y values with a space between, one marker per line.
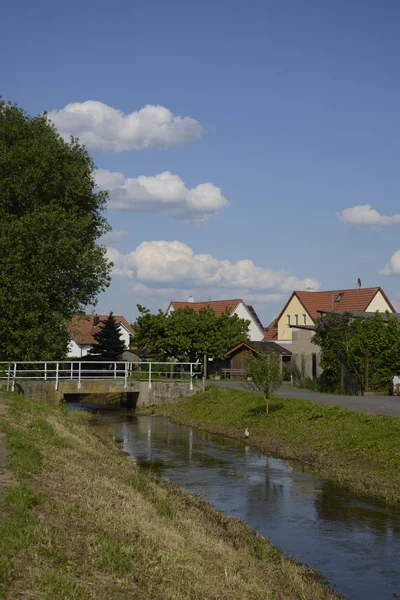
pixel 50 219
pixel 109 345
pixel 186 334
pixel 348 343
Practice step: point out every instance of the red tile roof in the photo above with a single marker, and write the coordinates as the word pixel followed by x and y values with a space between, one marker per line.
pixel 82 329
pixel 259 347
pixel 219 306
pixel 271 332
pixel 352 300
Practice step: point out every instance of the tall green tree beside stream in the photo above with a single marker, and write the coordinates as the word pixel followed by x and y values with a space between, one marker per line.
pixel 50 219
pixel 187 334
pixel 352 346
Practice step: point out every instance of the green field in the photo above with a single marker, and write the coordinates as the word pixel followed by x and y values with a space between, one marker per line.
pixel 357 450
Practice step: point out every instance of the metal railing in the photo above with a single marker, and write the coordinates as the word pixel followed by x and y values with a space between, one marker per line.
pixel 81 370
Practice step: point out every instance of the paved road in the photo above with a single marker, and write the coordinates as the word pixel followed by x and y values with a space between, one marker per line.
pixel 382 405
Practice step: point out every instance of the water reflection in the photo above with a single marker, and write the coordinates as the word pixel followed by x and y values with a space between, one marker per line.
pixel 334 504
pixel 355 543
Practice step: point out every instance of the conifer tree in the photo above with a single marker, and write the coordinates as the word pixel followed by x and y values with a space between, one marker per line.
pixel 109 345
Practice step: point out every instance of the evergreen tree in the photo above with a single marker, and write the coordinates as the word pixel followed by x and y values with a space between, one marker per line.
pixel 109 345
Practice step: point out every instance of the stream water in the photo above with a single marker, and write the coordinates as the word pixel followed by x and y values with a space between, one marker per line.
pixel 354 542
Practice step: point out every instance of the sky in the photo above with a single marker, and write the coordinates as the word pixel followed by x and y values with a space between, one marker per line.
pixel 249 148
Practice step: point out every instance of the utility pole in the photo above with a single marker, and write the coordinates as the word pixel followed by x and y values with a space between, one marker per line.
pixel 204 371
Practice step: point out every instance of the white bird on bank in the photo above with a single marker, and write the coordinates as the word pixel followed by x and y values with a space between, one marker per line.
pixel 246 433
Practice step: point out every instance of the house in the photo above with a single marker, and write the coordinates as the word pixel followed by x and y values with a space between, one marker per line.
pixel 234 307
pixel 237 355
pixel 303 309
pixel 271 332
pixel 83 329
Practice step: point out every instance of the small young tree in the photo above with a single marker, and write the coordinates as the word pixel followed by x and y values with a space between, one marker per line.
pixel 265 371
pixel 109 344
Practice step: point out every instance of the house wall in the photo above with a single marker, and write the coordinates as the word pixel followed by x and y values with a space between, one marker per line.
pixel 238 360
pixel 302 353
pixel 124 334
pixel 77 350
pixel 255 333
pixel 294 307
pixel 378 304
pixel 73 349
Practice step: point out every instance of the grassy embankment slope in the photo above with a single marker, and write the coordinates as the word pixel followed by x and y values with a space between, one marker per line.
pixel 80 521
pixel 357 450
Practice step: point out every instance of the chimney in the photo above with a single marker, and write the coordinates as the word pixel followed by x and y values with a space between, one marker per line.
pixel 190 299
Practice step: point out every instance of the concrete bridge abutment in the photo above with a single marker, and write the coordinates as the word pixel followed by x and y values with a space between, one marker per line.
pixel 138 392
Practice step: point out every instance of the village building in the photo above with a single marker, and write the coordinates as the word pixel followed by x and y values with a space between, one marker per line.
pixel 83 328
pixel 295 325
pixel 303 309
pixel 236 363
pixel 233 307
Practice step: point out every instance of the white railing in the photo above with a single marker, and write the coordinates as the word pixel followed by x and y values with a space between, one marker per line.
pixel 83 370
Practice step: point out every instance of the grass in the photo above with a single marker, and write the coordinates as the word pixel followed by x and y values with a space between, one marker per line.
pixel 81 522
pixel 359 451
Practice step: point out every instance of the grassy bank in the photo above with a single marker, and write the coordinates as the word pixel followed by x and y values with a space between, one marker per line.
pixel 80 521
pixel 357 450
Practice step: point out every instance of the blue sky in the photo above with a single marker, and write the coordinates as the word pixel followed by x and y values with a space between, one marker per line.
pixel 292 112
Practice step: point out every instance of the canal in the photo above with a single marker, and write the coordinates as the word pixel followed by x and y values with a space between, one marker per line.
pixel 353 541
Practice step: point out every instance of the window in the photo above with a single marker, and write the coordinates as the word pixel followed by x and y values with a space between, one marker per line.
pixel 305 319
pixel 339 297
pixel 288 319
pixel 297 319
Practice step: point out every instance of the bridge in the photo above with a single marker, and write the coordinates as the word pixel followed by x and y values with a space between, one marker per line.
pixel 150 382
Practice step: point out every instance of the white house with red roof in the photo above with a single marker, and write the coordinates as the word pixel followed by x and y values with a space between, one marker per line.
pixel 235 306
pixel 83 328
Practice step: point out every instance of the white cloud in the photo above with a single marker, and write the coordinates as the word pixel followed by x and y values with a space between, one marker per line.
pixel 112 237
pixel 101 127
pixel 366 216
pixel 265 298
pixel 393 266
pixel 164 191
pixel 204 293
pixel 174 265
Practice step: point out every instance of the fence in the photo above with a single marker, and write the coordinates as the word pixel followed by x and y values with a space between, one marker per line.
pixel 80 370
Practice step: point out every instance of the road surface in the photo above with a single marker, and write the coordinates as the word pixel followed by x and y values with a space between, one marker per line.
pixel 382 405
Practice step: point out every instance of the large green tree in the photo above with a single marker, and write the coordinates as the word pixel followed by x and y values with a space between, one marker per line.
pixel 50 219
pixel 186 334
pixel 353 345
